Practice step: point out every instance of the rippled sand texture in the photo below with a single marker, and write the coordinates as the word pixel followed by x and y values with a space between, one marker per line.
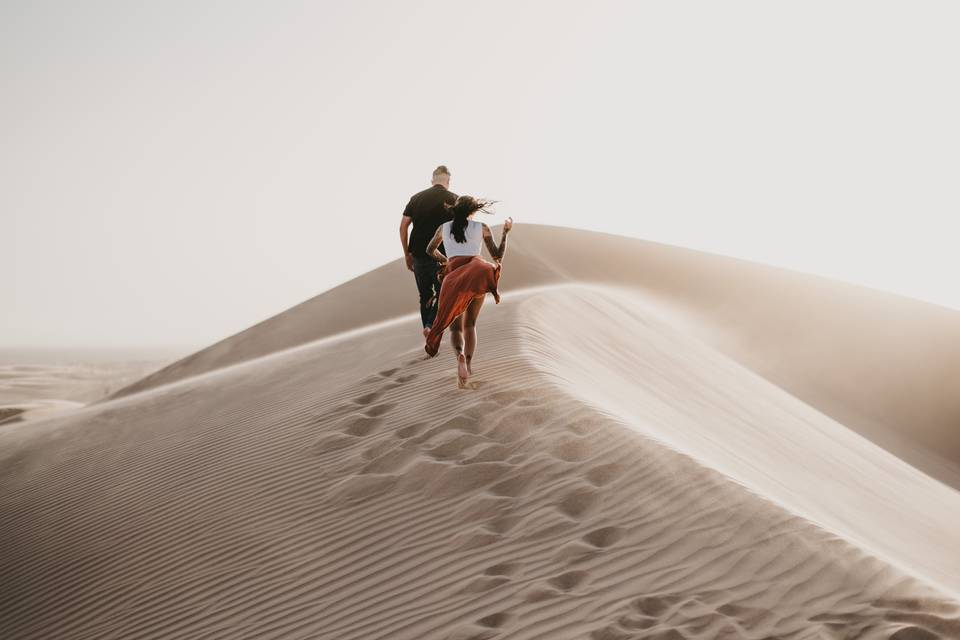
pixel 608 476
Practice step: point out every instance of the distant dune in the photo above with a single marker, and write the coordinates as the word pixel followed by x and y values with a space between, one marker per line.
pixel 642 455
pixel 37 383
pixel 881 364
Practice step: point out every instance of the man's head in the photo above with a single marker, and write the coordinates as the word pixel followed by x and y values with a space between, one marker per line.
pixel 441 175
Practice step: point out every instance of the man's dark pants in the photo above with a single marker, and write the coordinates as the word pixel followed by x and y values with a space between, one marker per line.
pixel 425 270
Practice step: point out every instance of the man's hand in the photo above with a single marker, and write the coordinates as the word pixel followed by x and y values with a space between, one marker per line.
pixel 408 257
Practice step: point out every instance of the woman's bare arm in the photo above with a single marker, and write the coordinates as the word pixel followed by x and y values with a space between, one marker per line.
pixel 434 245
pixel 497 252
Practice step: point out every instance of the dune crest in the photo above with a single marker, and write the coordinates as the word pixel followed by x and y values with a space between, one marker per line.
pixel 670 387
pixel 347 490
pixel 886 366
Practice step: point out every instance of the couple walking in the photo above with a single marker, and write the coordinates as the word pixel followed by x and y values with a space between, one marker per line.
pixel 443 251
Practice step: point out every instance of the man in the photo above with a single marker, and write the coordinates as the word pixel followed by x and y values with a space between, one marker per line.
pixel 426 212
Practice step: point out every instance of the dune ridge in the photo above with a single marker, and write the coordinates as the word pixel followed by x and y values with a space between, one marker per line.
pixel 346 489
pixel 686 395
pixel 883 365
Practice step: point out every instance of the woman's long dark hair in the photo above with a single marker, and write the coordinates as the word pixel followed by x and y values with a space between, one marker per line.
pixel 461 209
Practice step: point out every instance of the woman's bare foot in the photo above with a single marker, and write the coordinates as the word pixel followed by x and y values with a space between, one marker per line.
pixel 463 371
pixel 469 365
pixel 426 332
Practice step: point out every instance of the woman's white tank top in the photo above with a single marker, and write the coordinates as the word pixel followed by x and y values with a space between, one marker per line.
pixel 474 235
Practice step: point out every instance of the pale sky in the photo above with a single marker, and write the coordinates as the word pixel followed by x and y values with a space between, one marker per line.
pixel 173 172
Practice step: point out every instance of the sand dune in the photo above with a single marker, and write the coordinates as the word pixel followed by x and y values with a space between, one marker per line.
pixel 610 476
pixel 40 383
pixel 886 366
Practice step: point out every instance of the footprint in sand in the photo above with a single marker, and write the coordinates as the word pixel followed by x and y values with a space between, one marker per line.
pixel 589 545
pixel 655 606
pixel 605 473
pixel 579 503
pixel 410 430
pixel 568 580
pixel 359 425
pixel 639 622
pixel 539 594
pixel 571 449
pixel 584 425
pixel 604 537
pixel 386 373
pixel 502 524
pixel 379 409
pixel 680 612
pixel 367 398
pixel 495 620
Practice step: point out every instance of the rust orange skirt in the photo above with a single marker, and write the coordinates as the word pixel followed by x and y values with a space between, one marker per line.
pixel 464 278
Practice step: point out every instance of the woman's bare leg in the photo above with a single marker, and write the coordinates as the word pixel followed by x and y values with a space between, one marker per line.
pixel 470 330
pixel 456 334
pixel 456 339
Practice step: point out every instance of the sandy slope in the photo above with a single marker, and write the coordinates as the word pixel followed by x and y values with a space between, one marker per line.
pixel 885 366
pixel 609 477
pixel 39 383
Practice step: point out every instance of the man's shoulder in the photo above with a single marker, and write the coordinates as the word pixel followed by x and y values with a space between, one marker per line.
pixel 414 202
pixel 432 192
pixel 419 194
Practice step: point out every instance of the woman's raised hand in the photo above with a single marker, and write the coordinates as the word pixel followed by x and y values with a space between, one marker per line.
pixel 508 224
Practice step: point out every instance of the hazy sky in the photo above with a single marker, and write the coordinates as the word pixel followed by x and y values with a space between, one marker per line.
pixel 173 172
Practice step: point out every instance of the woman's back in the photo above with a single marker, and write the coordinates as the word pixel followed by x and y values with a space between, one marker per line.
pixel 474 236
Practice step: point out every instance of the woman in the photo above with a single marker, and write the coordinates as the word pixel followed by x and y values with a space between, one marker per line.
pixel 466 279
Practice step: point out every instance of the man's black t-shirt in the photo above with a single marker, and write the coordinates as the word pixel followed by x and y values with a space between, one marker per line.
pixel 427 212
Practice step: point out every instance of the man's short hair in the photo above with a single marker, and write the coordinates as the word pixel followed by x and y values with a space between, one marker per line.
pixel 441 171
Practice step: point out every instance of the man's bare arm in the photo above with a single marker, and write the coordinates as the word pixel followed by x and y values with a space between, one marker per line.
pixel 404 241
